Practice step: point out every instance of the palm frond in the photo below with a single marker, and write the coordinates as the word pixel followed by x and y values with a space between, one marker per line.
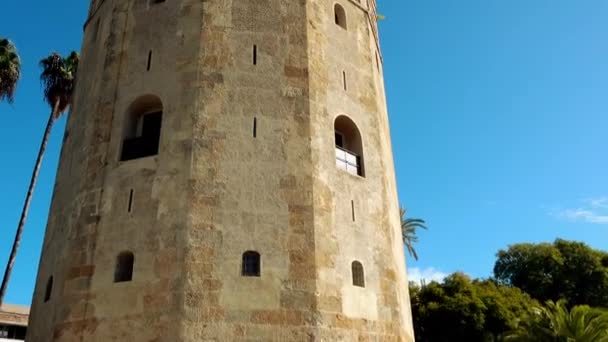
pixel 58 80
pixel 409 227
pixel 10 70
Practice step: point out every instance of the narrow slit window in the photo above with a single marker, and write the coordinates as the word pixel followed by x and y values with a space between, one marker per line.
pixel 48 290
pixel 255 127
pixel 130 207
pixel 251 264
pixel 344 79
pixel 358 274
pixel 124 267
pixel 352 207
pixel 149 61
pixel 255 55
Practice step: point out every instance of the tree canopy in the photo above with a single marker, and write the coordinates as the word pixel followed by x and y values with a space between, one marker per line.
pixel 459 309
pixel 562 270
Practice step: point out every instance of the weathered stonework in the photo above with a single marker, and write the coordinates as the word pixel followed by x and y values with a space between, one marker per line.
pixel 214 191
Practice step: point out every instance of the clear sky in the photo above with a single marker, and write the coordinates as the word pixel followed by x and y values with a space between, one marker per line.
pixel 498 113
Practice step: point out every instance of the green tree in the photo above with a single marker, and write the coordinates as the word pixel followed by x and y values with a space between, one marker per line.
pixel 58 79
pixel 409 229
pixel 10 70
pixel 562 270
pixel 459 309
pixel 554 323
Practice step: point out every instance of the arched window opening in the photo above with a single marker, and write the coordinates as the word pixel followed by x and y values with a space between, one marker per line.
pixel 358 274
pixel 340 16
pixel 349 147
pixel 49 289
pixel 124 267
pixel 142 128
pixel 251 264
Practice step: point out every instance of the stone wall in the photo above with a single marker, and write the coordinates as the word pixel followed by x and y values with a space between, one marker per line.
pixel 217 189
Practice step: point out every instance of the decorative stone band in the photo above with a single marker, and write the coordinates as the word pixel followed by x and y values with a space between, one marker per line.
pixel 372 17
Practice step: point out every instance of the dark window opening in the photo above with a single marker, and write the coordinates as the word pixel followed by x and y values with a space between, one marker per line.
pixel 358 275
pixel 349 147
pixel 352 206
pixel 344 79
pixel 12 332
pixel 255 127
pixel 142 129
pixel 157 1
pixel 149 61
pixel 49 289
pixel 124 267
pixel 251 264
pixel 340 16
pixel 255 55
pixel 339 139
pixel 130 201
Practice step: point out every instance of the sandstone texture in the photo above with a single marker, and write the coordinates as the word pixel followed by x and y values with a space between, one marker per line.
pixel 214 191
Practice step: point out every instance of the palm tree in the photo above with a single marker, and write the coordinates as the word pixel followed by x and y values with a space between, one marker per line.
pixel 554 323
pixel 10 70
pixel 409 226
pixel 58 80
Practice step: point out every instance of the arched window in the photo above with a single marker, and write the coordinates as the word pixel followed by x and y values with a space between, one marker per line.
pixel 142 128
pixel 349 147
pixel 124 267
pixel 340 16
pixel 251 264
pixel 358 274
pixel 49 289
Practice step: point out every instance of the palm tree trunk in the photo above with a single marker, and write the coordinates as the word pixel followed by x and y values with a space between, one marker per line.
pixel 26 205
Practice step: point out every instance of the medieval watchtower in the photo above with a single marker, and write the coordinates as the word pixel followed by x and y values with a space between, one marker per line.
pixel 226 175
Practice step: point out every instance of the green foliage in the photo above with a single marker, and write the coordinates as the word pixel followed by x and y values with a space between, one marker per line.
pixel 554 322
pixel 409 228
pixel 563 270
pixel 463 310
pixel 10 70
pixel 59 80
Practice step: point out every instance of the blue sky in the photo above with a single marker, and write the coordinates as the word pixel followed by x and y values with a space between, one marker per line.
pixel 498 116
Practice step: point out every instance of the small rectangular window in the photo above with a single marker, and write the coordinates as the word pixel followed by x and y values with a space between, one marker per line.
pixel 255 127
pixel 352 206
pixel 255 55
pixel 251 264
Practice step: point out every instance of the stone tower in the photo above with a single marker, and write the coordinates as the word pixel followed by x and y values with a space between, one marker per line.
pixel 226 175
